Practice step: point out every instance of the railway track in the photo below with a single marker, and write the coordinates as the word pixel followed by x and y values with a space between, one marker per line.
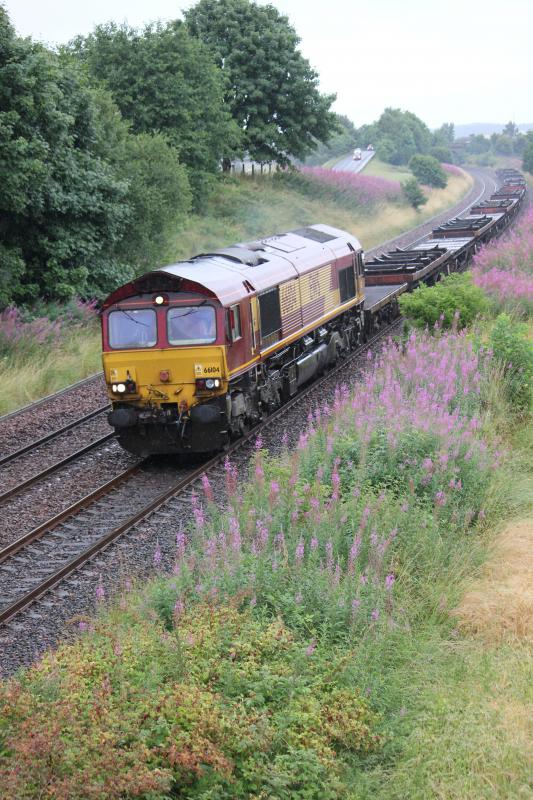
pixel 46 450
pixel 40 560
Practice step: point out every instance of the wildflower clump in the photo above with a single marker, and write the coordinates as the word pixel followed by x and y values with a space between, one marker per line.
pixel 504 268
pixel 349 189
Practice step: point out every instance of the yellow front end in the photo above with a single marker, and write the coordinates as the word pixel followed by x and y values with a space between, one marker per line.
pixel 165 376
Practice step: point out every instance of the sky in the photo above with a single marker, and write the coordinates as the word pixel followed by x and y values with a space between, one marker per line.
pixel 457 61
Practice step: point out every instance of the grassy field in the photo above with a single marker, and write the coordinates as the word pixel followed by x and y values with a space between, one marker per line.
pixel 27 377
pixel 245 209
pixel 383 170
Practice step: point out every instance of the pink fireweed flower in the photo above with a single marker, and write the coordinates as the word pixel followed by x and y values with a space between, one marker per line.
pixel 274 492
pixel 285 440
pixel 329 555
pixel 253 601
pixel 181 544
pixel 179 608
pixel 314 543
pixel 259 442
pixel 440 498
pixel 299 553
pixel 389 582
pixel 374 616
pixel 310 649
pixel 100 591
pixel 206 486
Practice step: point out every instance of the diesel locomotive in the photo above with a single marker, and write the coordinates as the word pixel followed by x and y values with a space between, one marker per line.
pixel 197 352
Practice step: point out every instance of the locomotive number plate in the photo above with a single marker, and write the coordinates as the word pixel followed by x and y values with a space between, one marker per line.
pixel 206 370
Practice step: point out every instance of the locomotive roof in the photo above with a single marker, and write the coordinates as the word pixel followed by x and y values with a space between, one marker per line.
pixel 249 268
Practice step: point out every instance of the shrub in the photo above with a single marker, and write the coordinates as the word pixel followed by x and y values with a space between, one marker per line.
pixel 221 705
pixel 428 171
pixel 504 268
pixel 453 298
pixel 512 349
pixel 413 193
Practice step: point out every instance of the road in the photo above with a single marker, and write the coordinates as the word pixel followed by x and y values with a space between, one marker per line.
pixel 347 163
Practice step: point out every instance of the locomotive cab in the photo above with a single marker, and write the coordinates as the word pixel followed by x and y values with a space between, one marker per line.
pixel 165 369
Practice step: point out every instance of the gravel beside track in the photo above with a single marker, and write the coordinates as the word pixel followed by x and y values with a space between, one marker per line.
pixel 43 417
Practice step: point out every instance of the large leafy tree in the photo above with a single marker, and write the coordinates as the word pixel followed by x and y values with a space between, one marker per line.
pixel 397 136
pixel 62 207
pixel 164 80
pixel 271 89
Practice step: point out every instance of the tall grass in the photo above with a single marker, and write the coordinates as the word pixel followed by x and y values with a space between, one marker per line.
pixel 41 353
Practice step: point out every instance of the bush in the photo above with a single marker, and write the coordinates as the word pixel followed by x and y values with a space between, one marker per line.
pixel 511 347
pixel 221 705
pixel 428 171
pixel 413 193
pixel 437 305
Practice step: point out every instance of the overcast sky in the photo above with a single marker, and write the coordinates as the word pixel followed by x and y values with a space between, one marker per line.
pixel 432 58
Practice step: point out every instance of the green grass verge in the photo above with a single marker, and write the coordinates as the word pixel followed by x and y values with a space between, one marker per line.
pixel 25 377
pixel 380 169
pixel 243 209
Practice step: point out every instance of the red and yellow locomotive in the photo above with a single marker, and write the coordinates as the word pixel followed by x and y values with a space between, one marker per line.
pixel 196 352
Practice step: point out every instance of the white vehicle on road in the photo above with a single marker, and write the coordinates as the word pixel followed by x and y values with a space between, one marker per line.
pixel 357 154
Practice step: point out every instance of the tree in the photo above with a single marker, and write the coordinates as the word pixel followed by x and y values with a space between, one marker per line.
pixel 445 135
pixel 441 153
pixel 62 208
pixel 271 90
pixel 428 171
pixel 164 80
pixel 158 194
pixel 413 193
pixel 397 136
pixel 340 143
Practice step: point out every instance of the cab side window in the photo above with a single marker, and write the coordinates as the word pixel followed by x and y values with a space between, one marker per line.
pixel 346 284
pixel 234 322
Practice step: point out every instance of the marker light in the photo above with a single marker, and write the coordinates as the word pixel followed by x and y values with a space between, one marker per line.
pixel 114 387
pixel 212 383
pixel 159 300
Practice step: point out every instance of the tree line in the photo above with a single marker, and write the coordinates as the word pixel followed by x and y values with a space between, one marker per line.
pixel 107 143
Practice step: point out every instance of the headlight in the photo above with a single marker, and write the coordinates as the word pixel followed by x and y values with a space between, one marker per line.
pixel 212 383
pixel 121 388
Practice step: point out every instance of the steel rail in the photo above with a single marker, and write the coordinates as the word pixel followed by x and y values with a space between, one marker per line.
pixel 53 522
